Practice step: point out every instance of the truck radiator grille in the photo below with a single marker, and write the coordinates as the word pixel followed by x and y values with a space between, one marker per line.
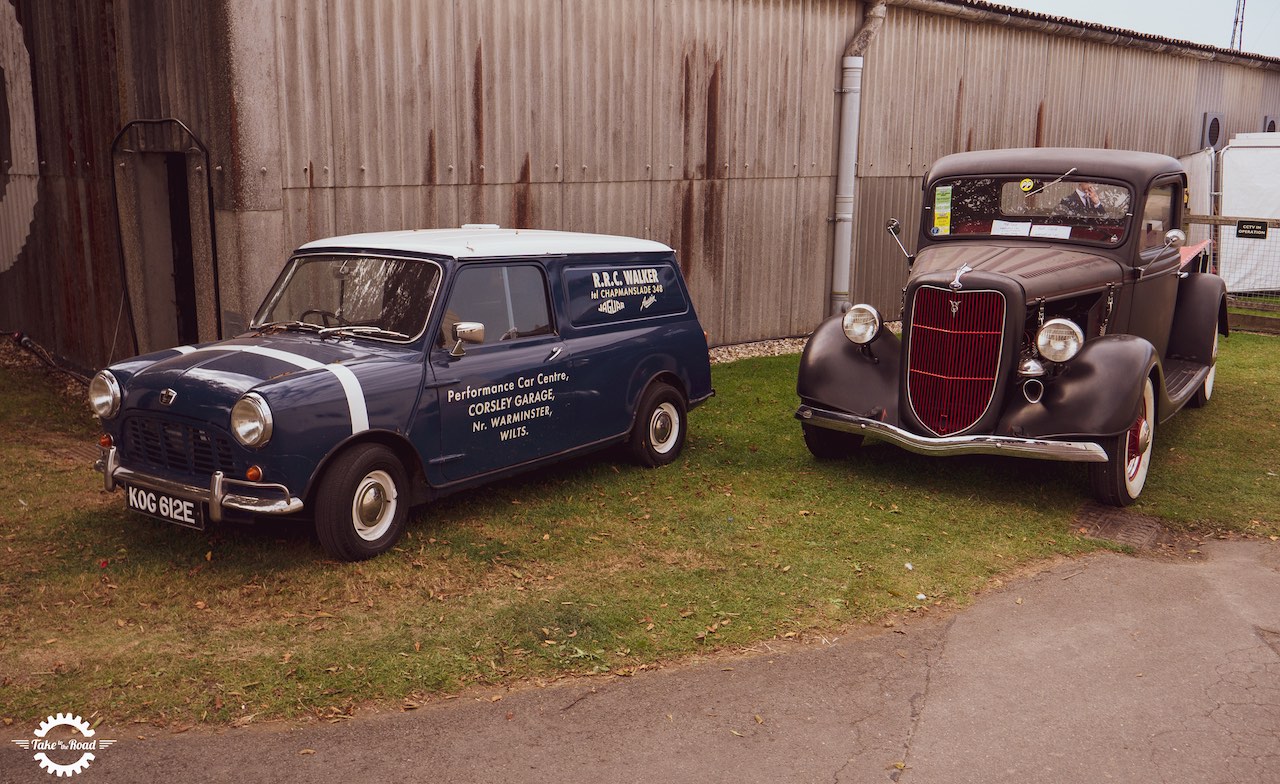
pixel 177 446
pixel 953 362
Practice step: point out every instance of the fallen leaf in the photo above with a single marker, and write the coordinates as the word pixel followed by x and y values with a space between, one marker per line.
pixel 208 556
pixel 735 732
pixel 201 605
pixel 1019 600
pixel 307 751
pixel 758 719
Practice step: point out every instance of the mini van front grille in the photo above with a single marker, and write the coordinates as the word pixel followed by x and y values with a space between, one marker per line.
pixel 177 446
pixel 953 362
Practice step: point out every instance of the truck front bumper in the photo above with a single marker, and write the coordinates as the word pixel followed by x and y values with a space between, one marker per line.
pixel 216 496
pixel 1036 448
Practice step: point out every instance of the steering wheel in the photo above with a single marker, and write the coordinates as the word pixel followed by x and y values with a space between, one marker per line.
pixel 327 316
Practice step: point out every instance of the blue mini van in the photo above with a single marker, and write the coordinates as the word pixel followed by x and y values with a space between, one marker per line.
pixel 384 370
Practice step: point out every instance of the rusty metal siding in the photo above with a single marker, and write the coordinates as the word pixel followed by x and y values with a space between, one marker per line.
pixel 606 70
pixel 764 88
pixel 511 116
pixel 939 84
pixel 691 44
pixel 706 124
pixel 879 269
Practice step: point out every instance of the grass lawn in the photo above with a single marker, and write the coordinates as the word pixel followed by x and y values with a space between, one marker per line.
pixel 595 566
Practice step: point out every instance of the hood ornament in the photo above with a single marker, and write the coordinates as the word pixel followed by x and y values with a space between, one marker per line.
pixel 167 397
pixel 956 285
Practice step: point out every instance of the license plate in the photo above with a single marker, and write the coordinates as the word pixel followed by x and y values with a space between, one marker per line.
pixel 165 507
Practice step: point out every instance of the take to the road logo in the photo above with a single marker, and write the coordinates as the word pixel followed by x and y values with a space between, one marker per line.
pixel 59 754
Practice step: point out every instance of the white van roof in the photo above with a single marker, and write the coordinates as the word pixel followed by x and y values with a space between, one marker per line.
pixel 488 240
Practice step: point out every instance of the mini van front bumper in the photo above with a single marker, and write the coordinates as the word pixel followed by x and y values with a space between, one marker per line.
pixel 1036 448
pixel 216 495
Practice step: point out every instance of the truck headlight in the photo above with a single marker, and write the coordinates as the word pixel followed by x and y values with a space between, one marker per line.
pixel 862 323
pixel 251 420
pixel 104 394
pixel 1059 340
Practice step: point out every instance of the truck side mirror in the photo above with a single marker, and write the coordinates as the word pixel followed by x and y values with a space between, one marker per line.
pixel 895 229
pixel 466 332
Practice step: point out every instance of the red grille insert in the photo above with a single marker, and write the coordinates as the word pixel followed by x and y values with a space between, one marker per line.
pixel 954 357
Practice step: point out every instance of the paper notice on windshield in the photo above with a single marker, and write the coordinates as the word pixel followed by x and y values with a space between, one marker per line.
pixel 941 210
pixel 1052 232
pixel 1001 228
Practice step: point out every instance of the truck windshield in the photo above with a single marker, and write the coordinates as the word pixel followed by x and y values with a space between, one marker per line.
pixel 366 296
pixel 1035 207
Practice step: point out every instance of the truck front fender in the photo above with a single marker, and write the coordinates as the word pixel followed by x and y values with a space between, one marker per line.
pixel 836 373
pixel 1098 393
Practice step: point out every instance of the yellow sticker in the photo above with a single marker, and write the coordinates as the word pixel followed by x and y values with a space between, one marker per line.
pixel 1027 184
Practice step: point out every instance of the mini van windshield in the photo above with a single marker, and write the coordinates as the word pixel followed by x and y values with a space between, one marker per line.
pixel 364 296
pixel 1033 207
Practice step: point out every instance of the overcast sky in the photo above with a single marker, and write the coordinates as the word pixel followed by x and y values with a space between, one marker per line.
pixel 1202 21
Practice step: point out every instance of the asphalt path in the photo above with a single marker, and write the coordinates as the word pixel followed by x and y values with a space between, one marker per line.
pixel 1109 668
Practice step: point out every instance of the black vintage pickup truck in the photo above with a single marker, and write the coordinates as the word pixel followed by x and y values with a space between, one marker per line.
pixel 1052 312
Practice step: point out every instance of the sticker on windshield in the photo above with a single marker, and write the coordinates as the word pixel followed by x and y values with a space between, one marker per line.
pixel 1001 228
pixel 1027 184
pixel 1052 232
pixel 941 210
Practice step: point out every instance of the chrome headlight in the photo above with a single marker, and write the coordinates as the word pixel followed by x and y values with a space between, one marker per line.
pixel 251 420
pixel 861 324
pixel 1059 340
pixel 104 394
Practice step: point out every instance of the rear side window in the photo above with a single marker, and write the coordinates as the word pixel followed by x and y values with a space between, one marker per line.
pixel 607 294
pixel 509 299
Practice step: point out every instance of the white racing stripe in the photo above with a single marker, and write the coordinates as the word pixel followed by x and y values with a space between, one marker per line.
pixel 350 384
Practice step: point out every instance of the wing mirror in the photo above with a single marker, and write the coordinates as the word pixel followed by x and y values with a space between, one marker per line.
pixel 1175 238
pixel 895 229
pixel 466 332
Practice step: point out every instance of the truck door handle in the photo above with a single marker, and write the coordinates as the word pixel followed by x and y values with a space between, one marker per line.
pixel 555 352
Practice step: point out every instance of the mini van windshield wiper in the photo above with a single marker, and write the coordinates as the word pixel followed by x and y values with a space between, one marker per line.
pixel 302 326
pixel 364 329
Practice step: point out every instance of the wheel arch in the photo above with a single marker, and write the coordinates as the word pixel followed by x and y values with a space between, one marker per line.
pixel 1201 309
pixel 420 490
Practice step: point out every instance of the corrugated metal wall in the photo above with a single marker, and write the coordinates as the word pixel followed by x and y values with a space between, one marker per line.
pixel 706 124
pixel 937 84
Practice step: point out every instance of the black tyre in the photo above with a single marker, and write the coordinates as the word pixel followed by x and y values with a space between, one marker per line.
pixel 1201 398
pixel 659 430
pixel 362 503
pixel 827 444
pixel 1120 480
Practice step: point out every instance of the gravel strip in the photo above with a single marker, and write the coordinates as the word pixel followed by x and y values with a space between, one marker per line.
pixel 760 348
pixel 773 348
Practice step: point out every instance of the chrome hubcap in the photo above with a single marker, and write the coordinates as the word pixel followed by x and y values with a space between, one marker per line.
pixel 373 507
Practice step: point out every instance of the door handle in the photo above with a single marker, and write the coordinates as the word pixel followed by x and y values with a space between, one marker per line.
pixel 555 352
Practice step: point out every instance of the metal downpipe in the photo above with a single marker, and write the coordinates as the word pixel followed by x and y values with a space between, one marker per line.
pixel 847 158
